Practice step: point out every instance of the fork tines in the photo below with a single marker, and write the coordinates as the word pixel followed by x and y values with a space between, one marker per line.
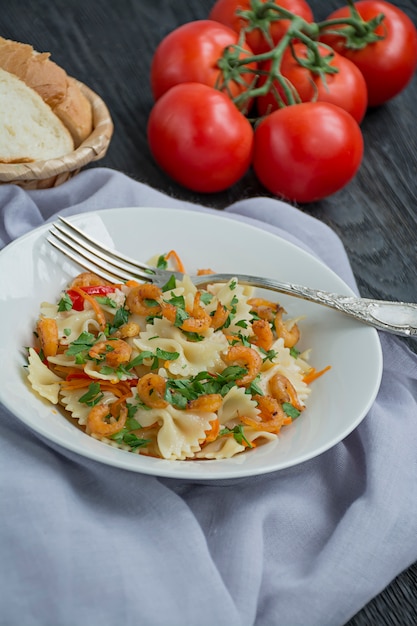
pixel 94 256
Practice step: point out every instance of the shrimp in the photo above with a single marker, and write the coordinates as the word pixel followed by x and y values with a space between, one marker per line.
pixel 290 335
pixel 169 311
pixel 210 402
pixel 264 337
pixel 198 321
pixel 271 413
pixel 204 272
pixel 283 391
pixel 114 351
pixel 151 390
pixel 220 316
pixel 264 309
pixel 47 331
pixel 101 422
pixel 130 329
pixel 88 279
pixel 142 299
pixel 247 358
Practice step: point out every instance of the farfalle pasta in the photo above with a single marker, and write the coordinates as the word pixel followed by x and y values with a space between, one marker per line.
pixel 177 372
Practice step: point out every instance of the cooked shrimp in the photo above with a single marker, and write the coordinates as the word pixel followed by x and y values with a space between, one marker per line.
pixel 88 279
pixel 196 324
pixel 47 331
pixel 204 272
pixel 283 390
pixel 151 390
pixel 101 422
pixel 220 316
pixel 271 414
pixel 141 299
pixel 209 402
pixel 247 358
pixel 114 352
pixel 264 309
pixel 198 321
pixel 130 329
pixel 169 311
pixel 264 337
pixel 290 334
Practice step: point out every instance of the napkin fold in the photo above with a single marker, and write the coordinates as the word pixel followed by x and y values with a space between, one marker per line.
pixel 84 543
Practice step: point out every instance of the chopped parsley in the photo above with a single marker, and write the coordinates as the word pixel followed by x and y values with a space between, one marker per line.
pixel 191 336
pixel 93 395
pixel 254 389
pixel 132 423
pixel 120 317
pixel 162 262
pixel 268 354
pixel 290 410
pixel 206 297
pixel 80 347
pixel 238 434
pixel 233 308
pixel 130 439
pixel 180 391
pixel 106 301
pixel 65 304
pixel 170 284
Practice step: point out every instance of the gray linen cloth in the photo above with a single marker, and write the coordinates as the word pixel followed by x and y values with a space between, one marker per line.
pixel 83 543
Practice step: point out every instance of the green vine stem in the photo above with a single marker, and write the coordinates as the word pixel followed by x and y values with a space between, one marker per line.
pixel 236 62
pixel 358 33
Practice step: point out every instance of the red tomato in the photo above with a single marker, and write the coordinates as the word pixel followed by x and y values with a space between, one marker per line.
pixel 224 11
pixel 307 151
pixel 190 54
pixel 199 138
pixel 346 88
pixel 388 64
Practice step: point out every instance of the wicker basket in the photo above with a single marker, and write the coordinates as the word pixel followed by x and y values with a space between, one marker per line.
pixel 54 172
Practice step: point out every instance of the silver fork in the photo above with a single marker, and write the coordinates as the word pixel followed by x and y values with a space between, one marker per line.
pixel 399 318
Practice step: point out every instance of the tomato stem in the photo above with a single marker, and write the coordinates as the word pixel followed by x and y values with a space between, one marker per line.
pixel 357 32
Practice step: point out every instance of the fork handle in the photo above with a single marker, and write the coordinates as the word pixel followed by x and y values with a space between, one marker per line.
pixel 399 318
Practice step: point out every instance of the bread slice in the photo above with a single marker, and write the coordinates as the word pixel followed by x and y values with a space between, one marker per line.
pixel 29 130
pixel 52 83
pixel 75 112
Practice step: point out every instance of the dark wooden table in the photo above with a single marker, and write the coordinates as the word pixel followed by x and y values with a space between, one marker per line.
pixel 108 45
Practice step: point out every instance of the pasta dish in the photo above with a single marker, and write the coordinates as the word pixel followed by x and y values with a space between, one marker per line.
pixel 179 372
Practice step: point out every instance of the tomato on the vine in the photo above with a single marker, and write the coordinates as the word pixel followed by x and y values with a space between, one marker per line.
pixel 191 53
pixel 225 11
pixel 307 151
pixel 387 64
pixel 199 138
pixel 345 88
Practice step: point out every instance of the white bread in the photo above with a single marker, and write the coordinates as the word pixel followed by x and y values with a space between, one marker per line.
pixel 29 130
pixel 61 92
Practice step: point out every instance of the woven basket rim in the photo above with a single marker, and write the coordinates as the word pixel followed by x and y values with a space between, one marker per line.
pixel 92 148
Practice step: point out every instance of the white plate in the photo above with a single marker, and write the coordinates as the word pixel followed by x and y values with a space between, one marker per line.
pixel 32 271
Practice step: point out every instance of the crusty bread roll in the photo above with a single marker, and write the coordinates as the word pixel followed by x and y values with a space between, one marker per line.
pixel 29 130
pixel 51 82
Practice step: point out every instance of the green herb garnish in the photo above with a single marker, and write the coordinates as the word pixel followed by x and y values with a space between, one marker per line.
pixel 65 304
